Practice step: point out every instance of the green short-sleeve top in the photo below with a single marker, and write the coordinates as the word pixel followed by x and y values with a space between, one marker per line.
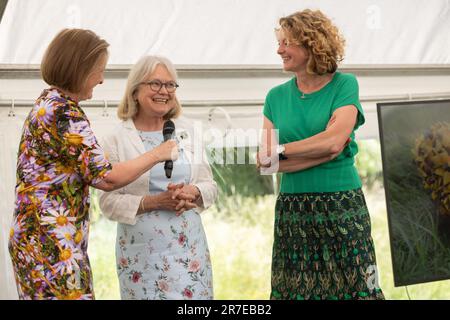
pixel 298 116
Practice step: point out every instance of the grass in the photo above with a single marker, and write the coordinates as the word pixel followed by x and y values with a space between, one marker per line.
pixel 101 252
pixel 421 250
pixel 380 234
pixel 240 238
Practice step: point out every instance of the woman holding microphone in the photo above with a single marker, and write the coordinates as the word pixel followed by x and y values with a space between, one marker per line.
pixel 58 159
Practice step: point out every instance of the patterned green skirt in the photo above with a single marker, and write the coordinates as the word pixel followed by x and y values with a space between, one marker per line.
pixel 323 248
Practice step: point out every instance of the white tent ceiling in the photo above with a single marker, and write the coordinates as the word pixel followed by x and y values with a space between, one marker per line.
pixel 228 31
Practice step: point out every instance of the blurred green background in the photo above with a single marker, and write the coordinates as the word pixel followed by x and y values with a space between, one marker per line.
pixel 239 228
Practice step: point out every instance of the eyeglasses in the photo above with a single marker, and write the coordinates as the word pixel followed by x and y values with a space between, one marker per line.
pixel 156 85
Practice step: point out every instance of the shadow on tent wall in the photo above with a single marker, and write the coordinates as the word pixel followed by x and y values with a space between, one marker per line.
pixel 3 4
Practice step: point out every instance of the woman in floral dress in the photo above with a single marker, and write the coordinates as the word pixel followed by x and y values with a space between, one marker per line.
pixel 58 159
pixel 161 247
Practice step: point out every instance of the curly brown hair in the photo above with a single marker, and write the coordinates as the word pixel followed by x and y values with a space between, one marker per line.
pixel 318 35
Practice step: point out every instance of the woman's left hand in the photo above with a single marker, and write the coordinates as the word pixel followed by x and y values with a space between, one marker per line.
pixel 184 192
pixel 265 158
pixel 184 205
pixel 187 194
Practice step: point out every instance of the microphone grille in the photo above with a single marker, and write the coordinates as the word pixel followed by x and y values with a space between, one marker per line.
pixel 169 127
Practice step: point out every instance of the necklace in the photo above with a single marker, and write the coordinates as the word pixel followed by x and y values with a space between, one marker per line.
pixel 320 86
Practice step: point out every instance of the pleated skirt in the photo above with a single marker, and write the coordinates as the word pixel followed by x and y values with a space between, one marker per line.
pixel 323 248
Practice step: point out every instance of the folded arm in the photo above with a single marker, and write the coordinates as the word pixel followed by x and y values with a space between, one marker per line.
pixel 298 164
pixel 312 151
pixel 329 142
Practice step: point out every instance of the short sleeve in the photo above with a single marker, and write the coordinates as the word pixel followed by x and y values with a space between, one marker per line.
pixel 348 94
pixel 79 146
pixel 267 111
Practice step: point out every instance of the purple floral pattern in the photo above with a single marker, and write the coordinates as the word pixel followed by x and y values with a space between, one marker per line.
pixel 58 159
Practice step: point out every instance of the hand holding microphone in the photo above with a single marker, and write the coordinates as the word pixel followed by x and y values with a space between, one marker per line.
pixel 168 150
pixel 168 130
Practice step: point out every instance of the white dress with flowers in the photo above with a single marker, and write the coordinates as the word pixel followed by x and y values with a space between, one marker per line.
pixel 164 256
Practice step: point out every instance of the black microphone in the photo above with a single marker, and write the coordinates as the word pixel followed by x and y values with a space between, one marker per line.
pixel 168 130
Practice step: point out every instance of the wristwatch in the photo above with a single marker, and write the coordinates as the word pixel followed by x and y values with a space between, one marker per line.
pixel 280 151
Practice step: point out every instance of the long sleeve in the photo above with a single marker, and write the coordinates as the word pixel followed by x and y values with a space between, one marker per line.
pixel 117 205
pixel 203 180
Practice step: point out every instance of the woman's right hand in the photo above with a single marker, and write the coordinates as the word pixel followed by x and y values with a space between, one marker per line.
pixel 165 201
pixel 167 150
pixel 265 158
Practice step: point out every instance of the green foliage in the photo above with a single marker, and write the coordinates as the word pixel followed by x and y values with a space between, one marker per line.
pixel 368 162
pixel 94 210
pixel 240 236
pixel 240 243
pixel 420 249
pixel 101 250
pixel 246 180
pixel 239 229
pixel 380 234
pixel 242 179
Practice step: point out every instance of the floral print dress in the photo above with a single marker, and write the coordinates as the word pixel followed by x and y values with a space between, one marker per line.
pixel 164 256
pixel 58 159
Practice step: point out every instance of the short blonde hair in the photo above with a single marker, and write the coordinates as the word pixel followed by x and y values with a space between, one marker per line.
pixel 70 58
pixel 319 36
pixel 128 107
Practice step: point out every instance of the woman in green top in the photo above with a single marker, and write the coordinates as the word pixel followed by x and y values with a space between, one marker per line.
pixel 322 248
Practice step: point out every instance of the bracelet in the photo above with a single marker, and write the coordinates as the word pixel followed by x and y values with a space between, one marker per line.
pixel 141 204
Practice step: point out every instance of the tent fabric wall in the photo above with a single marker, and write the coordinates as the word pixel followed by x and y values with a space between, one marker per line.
pixel 228 31
pixel 10 129
pixel 241 92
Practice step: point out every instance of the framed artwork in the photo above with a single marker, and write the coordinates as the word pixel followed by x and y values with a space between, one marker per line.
pixel 415 148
